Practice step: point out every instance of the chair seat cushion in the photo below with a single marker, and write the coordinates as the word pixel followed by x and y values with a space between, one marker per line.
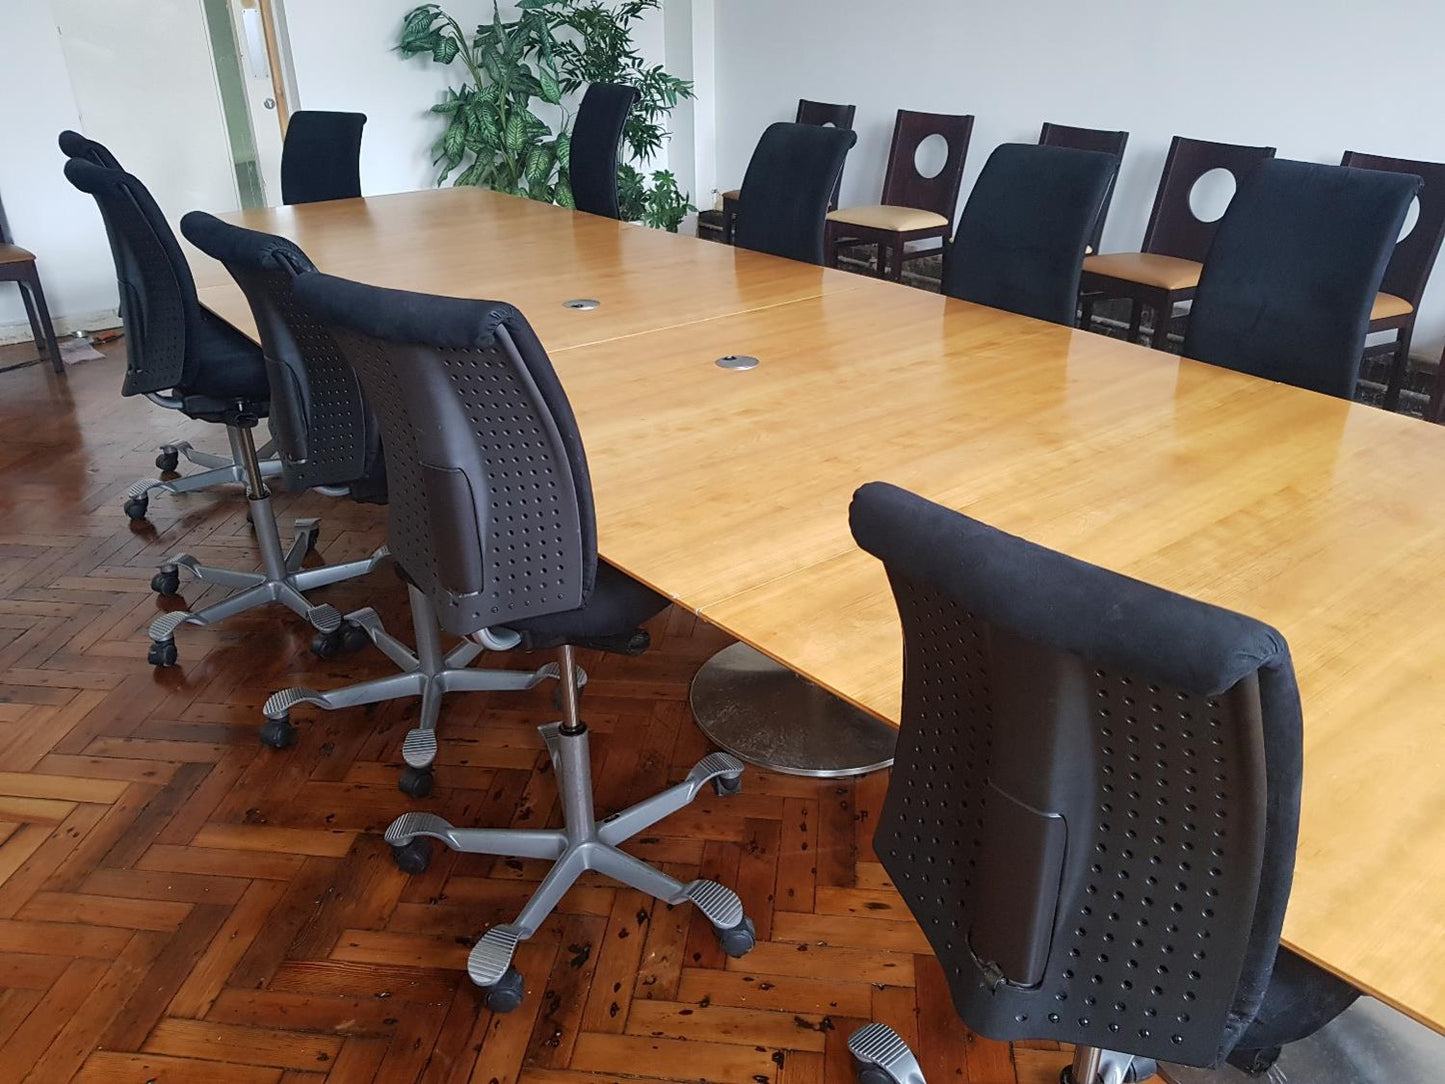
pixel 228 365
pixel 733 193
pixel 1146 268
pixel 882 216
pixel 618 604
pixel 15 254
pixel 1388 305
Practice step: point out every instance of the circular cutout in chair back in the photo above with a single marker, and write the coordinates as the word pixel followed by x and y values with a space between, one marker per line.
pixel 1210 196
pixel 930 156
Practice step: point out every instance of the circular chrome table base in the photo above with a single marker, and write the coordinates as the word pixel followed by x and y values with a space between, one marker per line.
pixel 769 716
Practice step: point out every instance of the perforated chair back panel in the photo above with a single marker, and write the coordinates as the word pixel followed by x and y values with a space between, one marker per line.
pixel 1293 272
pixel 321 157
pixel 325 431
pixel 1020 241
pixel 596 135
pixel 491 505
pixel 1098 853
pixel 783 204
pixel 158 304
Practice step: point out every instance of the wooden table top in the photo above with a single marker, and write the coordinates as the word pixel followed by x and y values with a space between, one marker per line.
pixel 729 490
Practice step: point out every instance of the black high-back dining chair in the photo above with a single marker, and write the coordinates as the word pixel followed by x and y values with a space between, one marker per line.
pixel 1021 238
pixel 783 205
pixel 321 157
pixel 819 114
pixel 1166 270
pixel 1293 273
pixel 1089 139
pixel 183 356
pixel 495 523
pixel 913 207
pixel 328 436
pixel 1408 272
pixel 596 136
pixel 1094 805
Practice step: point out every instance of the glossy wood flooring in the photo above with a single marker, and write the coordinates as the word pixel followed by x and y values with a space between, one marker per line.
pixel 178 903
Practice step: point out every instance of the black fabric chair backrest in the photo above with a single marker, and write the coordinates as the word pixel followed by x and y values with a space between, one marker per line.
pixel 1414 255
pixel 158 303
pixel 321 158
pixel 596 136
pixel 325 432
pixel 75 145
pixel 1094 806
pixel 827 115
pixel 1289 282
pixel 1089 139
pixel 1020 241
pixel 491 504
pixel 1174 229
pixel 783 204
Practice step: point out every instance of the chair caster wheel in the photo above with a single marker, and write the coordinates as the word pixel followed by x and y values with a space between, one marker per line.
pixel 725 787
pixel 162 653
pixel 169 459
pixel 167 582
pixel 506 993
pixel 136 507
pixel 873 1075
pixel 415 782
pixel 327 645
pixel 414 857
pixel 739 940
pixel 278 733
pixel 353 636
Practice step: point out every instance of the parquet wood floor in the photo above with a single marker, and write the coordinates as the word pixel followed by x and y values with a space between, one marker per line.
pixel 178 903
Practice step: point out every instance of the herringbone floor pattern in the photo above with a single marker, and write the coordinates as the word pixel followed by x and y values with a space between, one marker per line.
pixel 178 903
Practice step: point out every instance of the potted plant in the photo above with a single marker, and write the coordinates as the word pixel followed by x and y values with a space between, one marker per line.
pixel 494 136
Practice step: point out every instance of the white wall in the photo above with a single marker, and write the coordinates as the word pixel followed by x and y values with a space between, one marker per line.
pixel 1312 79
pixel 46 215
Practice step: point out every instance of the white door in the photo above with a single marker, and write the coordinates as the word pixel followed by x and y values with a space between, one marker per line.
pixel 264 106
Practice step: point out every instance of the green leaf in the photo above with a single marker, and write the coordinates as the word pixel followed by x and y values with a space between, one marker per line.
pixel 452 142
pixel 539 163
pixel 564 149
pixel 563 195
pixel 515 136
pixel 551 90
pixel 445 50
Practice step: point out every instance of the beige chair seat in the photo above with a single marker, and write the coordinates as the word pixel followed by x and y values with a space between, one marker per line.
pixel 732 193
pixel 1147 269
pixel 881 216
pixel 1387 305
pixel 16 254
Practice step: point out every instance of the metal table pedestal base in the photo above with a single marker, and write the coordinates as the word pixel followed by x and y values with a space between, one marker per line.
pixel 769 716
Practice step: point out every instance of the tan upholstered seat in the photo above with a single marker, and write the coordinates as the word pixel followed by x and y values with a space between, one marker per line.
pixel 880 216
pixel 16 254
pixel 732 193
pixel 1147 269
pixel 1387 305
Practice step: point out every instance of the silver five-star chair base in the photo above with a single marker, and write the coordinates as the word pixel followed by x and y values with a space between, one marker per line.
pixel 281 579
pixel 427 673
pixel 884 1058
pixel 581 844
pixel 219 471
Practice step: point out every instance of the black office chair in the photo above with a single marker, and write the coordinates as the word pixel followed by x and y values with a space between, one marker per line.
pixel 321 158
pixel 1293 272
pixel 329 437
pixel 1020 243
pixel 1094 806
pixel 783 203
pixel 495 523
pixel 219 469
pixel 211 372
pixel 596 135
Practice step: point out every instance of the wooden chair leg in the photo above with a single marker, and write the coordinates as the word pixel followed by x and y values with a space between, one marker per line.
pixel 830 245
pixel 39 314
pixel 1399 366
pixel 1086 313
pixel 895 260
pixel 1437 395
pixel 1163 316
pixel 1136 317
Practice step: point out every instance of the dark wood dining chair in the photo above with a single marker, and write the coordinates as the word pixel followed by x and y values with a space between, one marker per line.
pixel 17 265
pixel 1166 270
pixel 914 207
pixel 1088 139
pixel 1410 265
pixel 821 114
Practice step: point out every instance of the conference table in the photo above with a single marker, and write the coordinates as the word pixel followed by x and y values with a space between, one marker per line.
pixel 728 490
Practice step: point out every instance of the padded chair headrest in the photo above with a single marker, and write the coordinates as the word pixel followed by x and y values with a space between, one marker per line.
pixel 405 317
pixel 237 245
